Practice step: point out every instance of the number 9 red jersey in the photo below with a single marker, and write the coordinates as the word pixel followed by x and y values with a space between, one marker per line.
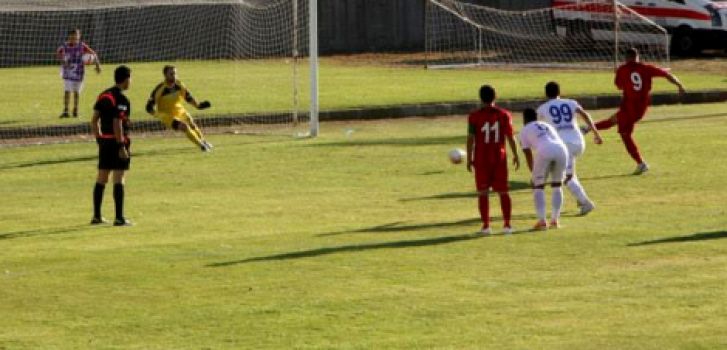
pixel 635 79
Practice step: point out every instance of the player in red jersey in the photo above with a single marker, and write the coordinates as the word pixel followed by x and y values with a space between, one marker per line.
pixel 489 127
pixel 634 79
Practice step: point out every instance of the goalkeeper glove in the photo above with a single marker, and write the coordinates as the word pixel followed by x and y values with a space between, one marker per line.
pixel 204 105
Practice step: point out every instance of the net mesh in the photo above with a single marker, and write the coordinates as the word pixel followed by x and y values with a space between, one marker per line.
pixel 585 34
pixel 247 57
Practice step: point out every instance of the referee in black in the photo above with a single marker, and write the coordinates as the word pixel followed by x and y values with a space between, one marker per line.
pixel 110 126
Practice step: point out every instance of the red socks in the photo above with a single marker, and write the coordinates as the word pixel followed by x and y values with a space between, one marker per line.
pixel 506 206
pixel 484 202
pixel 632 148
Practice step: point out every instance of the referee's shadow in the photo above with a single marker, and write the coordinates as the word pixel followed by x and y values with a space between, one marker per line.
pixel 93 157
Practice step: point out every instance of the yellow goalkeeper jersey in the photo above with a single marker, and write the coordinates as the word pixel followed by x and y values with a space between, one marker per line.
pixel 170 99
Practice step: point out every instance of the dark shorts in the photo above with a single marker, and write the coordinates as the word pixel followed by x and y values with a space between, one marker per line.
pixel 108 156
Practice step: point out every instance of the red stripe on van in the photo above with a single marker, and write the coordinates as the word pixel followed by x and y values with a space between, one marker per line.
pixel 643 10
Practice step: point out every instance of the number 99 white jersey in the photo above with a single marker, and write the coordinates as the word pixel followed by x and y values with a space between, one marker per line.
pixel 560 113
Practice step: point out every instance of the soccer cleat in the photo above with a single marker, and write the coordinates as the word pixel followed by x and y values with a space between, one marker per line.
pixel 98 221
pixel 205 148
pixel 540 226
pixel 587 208
pixel 209 145
pixel 507 230
pixel 64 115
pixel 641 168
pixel 554 225
pixel 485 232
pixel 122 222
pixel 75 114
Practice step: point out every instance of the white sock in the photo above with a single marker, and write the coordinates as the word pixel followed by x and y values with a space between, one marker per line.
pixel 539 196
pixel 557 202
pixel 577 190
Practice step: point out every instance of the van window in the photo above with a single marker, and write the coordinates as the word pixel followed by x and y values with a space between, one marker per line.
pixel 677 1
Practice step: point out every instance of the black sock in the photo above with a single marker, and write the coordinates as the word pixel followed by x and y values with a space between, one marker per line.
pixel 97 199
pixel 119 200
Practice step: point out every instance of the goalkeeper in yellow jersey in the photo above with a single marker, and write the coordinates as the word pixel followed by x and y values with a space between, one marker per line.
pixel 169 97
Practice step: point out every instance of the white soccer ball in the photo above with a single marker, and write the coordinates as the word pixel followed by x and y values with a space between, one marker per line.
pixel 89 58
pixel 456 156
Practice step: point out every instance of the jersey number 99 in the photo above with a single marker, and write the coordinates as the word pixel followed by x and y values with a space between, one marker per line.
pixel 561 114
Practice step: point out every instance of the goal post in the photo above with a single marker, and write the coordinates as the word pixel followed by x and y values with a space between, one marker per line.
pixel 313 48
pixel 255 60
pixel 587 34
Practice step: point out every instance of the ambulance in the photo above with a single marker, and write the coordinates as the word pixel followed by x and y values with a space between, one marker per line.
pixel 693 25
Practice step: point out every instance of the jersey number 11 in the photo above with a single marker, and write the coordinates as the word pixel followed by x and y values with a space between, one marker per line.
pixel 493 128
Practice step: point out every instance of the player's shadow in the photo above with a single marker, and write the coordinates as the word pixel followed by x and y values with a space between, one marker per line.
pixel 42 232
pixel 351 248
pixel 400 142
pixel 401 226
pixel 515 186
pixel 702 236
pixel 605 177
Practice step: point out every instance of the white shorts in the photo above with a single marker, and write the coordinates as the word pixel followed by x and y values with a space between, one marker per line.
pixel 550 164
pixel 72 85
pixel 575 150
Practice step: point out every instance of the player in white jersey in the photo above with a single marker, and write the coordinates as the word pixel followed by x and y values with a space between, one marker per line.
pixel 561 114
pixel 551 158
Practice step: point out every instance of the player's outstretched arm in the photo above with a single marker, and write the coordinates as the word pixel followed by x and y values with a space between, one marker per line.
pixel 591 126
pixel 199 105
pixel 150 105
pixel 674 80
pixel 513 148
pixel 470 153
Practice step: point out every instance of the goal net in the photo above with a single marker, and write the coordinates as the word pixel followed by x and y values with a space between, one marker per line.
pixel 579 34
pixel 249 58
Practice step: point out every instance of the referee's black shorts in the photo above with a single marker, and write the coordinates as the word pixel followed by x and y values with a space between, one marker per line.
pixel 108 155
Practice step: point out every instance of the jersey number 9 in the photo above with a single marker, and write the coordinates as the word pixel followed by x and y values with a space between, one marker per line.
pixel 637 81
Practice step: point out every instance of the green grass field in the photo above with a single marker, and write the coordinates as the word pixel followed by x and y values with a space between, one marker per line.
pixel 364 242
pixel 33 96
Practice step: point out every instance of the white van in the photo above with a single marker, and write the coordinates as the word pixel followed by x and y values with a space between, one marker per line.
pixel 693 24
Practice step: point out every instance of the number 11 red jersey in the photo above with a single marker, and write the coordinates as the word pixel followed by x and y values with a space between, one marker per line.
pixel 490 126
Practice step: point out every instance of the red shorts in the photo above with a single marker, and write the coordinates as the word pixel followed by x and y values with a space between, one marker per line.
pixel 628 115
pixel 491 175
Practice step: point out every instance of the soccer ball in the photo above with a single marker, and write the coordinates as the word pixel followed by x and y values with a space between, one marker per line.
pixel 89 58
pixel 456 156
